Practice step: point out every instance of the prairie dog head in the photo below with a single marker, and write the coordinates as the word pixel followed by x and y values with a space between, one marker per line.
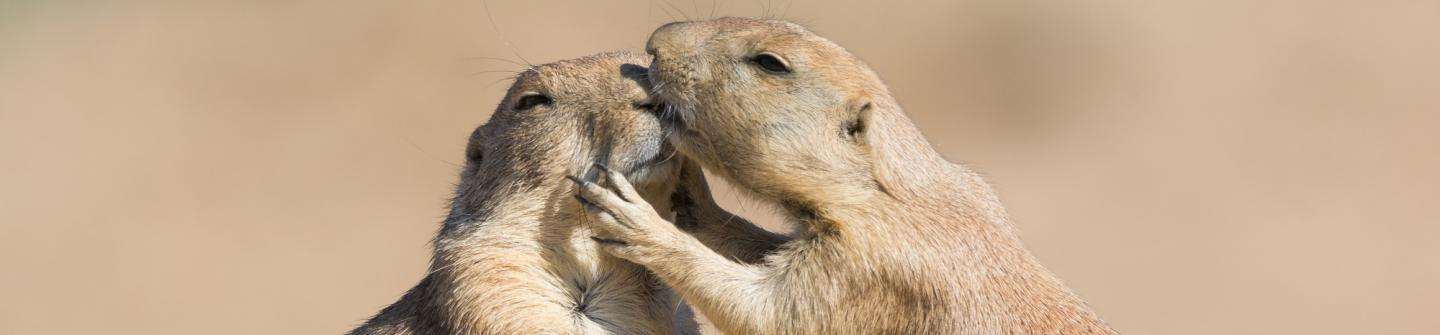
pixel 559 119
pixel 770 106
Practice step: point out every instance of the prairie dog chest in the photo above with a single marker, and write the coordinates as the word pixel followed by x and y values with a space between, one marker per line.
pixel 606 294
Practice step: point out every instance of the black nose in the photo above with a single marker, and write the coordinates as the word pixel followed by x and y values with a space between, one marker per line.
pixel 634 71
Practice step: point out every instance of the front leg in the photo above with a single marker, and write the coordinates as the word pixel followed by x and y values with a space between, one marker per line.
pixel 737 297
pixel 728 234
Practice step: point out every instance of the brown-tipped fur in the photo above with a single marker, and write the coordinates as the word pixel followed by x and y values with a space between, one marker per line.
pixel 896 240
pixel 514 256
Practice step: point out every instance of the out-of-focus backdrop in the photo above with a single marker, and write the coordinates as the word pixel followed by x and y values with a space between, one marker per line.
pixel 278 167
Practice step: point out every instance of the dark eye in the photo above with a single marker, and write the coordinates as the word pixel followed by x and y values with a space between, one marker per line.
pixel 770 63
pixel 530 100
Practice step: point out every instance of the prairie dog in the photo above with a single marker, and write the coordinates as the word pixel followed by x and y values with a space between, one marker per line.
pixel 513 256
pixel 895 239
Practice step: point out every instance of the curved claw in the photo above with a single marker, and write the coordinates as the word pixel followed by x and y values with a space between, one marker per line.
pixel 618 183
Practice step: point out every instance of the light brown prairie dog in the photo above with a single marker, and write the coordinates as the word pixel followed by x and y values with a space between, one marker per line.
pixel 895 239
pixel 514 256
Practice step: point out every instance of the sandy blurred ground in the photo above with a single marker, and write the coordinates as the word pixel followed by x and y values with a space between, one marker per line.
pixel 278 167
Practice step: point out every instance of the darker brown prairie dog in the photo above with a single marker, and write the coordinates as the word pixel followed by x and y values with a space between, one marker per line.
pixel 514 256
pixel 895 239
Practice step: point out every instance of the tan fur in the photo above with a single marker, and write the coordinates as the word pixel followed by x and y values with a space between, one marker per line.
pixel 514 256
pixel 895 239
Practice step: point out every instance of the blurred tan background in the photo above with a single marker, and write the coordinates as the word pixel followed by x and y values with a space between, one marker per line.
pixel 1190 167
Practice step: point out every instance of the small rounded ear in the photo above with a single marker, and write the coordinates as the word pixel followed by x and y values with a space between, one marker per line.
pixel 474 150
pixel 861 113
pixel 859 131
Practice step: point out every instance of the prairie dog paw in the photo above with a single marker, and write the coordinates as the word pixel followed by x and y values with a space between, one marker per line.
pixel 624 224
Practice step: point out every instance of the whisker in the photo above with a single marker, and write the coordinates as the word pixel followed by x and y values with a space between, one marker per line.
pixel 696 6
pixel 494 71
pixel 505 79
pixel 426 153
pixel 673 154
pixel 677 9
pixel 496 59
pixel 667 11
pixel 486 5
